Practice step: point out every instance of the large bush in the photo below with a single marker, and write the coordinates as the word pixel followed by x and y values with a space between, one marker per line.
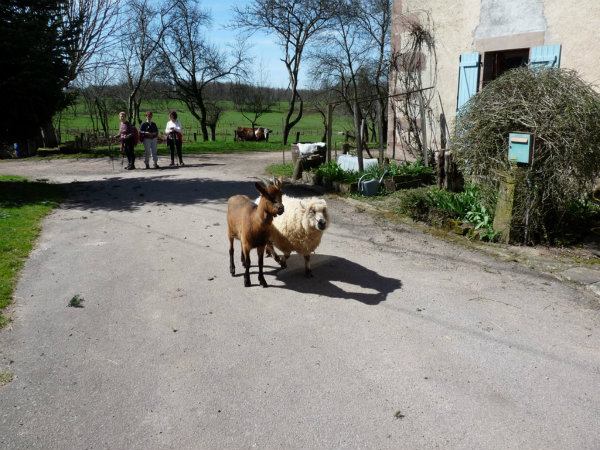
pixel 563 113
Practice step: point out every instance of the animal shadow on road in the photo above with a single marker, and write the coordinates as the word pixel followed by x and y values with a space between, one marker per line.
pixel 337 277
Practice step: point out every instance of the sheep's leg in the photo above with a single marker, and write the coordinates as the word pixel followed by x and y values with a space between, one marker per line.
pixel 284 258
pixel 307 269
pixel 261 277
pixel 246 257
pixel 231 264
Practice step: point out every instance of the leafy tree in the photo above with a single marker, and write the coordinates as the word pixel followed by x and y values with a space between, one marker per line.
pixel 34 69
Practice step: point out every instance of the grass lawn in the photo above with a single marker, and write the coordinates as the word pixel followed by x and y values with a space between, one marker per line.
pixel 23 205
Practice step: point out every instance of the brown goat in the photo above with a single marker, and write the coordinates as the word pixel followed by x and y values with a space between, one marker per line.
pixel 251 224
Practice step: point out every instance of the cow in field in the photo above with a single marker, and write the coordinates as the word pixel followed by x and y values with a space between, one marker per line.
pixel 252 134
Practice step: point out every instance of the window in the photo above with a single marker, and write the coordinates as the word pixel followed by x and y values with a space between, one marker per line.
pixel 496 63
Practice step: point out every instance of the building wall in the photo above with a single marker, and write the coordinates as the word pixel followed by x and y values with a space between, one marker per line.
pixel 463 26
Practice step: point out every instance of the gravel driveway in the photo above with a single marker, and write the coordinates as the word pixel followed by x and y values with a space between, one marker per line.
pixel 400 341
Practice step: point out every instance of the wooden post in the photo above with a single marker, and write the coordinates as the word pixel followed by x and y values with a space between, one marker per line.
pixel 282 146
pixel 423 130
pixel 329 130
pixel 394 133
pixel 443 141
pixel 380 131
pixel 440 168
pixel 358 133
pixel 505 203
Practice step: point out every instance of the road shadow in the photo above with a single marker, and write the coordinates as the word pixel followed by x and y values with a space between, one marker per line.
pixel 158 186
pixel 126 194
pixel 336 277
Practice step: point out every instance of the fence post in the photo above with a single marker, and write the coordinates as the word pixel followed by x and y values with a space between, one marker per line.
pixel 423 130
pixel 329 130
pixel 380 131
pixel 358 133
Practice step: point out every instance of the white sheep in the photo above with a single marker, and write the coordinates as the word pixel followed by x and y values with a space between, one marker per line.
pixel 299 229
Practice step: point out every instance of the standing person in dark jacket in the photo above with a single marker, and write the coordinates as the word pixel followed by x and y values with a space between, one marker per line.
pixel 126 133
pixel 149 136
pixel 174 133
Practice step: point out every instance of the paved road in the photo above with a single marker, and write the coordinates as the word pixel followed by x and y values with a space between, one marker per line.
pixel 400 341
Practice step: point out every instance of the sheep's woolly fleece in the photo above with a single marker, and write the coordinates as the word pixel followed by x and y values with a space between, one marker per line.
pixel 296 229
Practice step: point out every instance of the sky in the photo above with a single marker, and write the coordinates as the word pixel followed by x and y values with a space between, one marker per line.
pixel 263 51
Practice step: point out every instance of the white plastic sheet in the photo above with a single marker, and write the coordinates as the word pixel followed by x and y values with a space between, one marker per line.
pixel 310 148
pixel 350 163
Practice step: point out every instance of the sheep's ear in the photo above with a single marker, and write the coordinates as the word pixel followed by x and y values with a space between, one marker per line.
pixel 259 188
pixel 303 205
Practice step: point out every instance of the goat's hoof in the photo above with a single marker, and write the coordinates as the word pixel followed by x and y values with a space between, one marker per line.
pixel 263 283
pixel 247 282
pixel 232 271
pixel 309 274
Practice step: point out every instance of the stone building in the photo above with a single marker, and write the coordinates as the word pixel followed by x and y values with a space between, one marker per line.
pixel 451 49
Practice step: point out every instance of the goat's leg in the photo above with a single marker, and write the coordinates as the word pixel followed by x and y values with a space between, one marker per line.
pixel 246 257
pixel 261 277
pixel 307 269
pixel 231 264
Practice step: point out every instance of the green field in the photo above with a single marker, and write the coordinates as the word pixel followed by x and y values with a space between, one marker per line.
pixel 76 121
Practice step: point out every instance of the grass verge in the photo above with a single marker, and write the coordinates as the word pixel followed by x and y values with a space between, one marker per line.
pixel 283 170
pixel 23 204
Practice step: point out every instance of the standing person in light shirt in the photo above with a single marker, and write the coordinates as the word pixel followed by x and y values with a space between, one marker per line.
pixel 149 136
pixel 174 134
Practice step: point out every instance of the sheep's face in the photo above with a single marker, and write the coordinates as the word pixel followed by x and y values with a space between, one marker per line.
pixel 315 214
pixel 271 196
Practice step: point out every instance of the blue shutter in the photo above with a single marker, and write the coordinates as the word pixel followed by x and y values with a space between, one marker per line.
pixel 545 56
pixel 468 77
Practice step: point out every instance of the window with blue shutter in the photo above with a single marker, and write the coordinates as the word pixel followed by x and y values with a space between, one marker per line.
pixel 545 56
pixel 468 77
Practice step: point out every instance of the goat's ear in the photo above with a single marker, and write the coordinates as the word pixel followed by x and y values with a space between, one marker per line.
pixel 278 182
pixel 259 188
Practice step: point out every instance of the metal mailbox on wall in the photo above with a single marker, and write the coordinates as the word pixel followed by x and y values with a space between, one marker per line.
pixel 520 146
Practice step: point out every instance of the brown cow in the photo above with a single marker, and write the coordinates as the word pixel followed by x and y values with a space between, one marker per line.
pixel 250 134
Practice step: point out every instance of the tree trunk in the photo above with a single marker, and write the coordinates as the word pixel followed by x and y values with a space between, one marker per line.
pixel 48 135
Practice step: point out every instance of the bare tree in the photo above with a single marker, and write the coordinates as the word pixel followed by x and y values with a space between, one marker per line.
pixel 97 22
pixel 214 111
pixel 340 59
pixel 375 19
pixel 351 57
pixel 253 99
pixel 295 23
pixel 319 100
pixel 144 26
pixel 191 63
pixel 99 96
pixel 89 25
